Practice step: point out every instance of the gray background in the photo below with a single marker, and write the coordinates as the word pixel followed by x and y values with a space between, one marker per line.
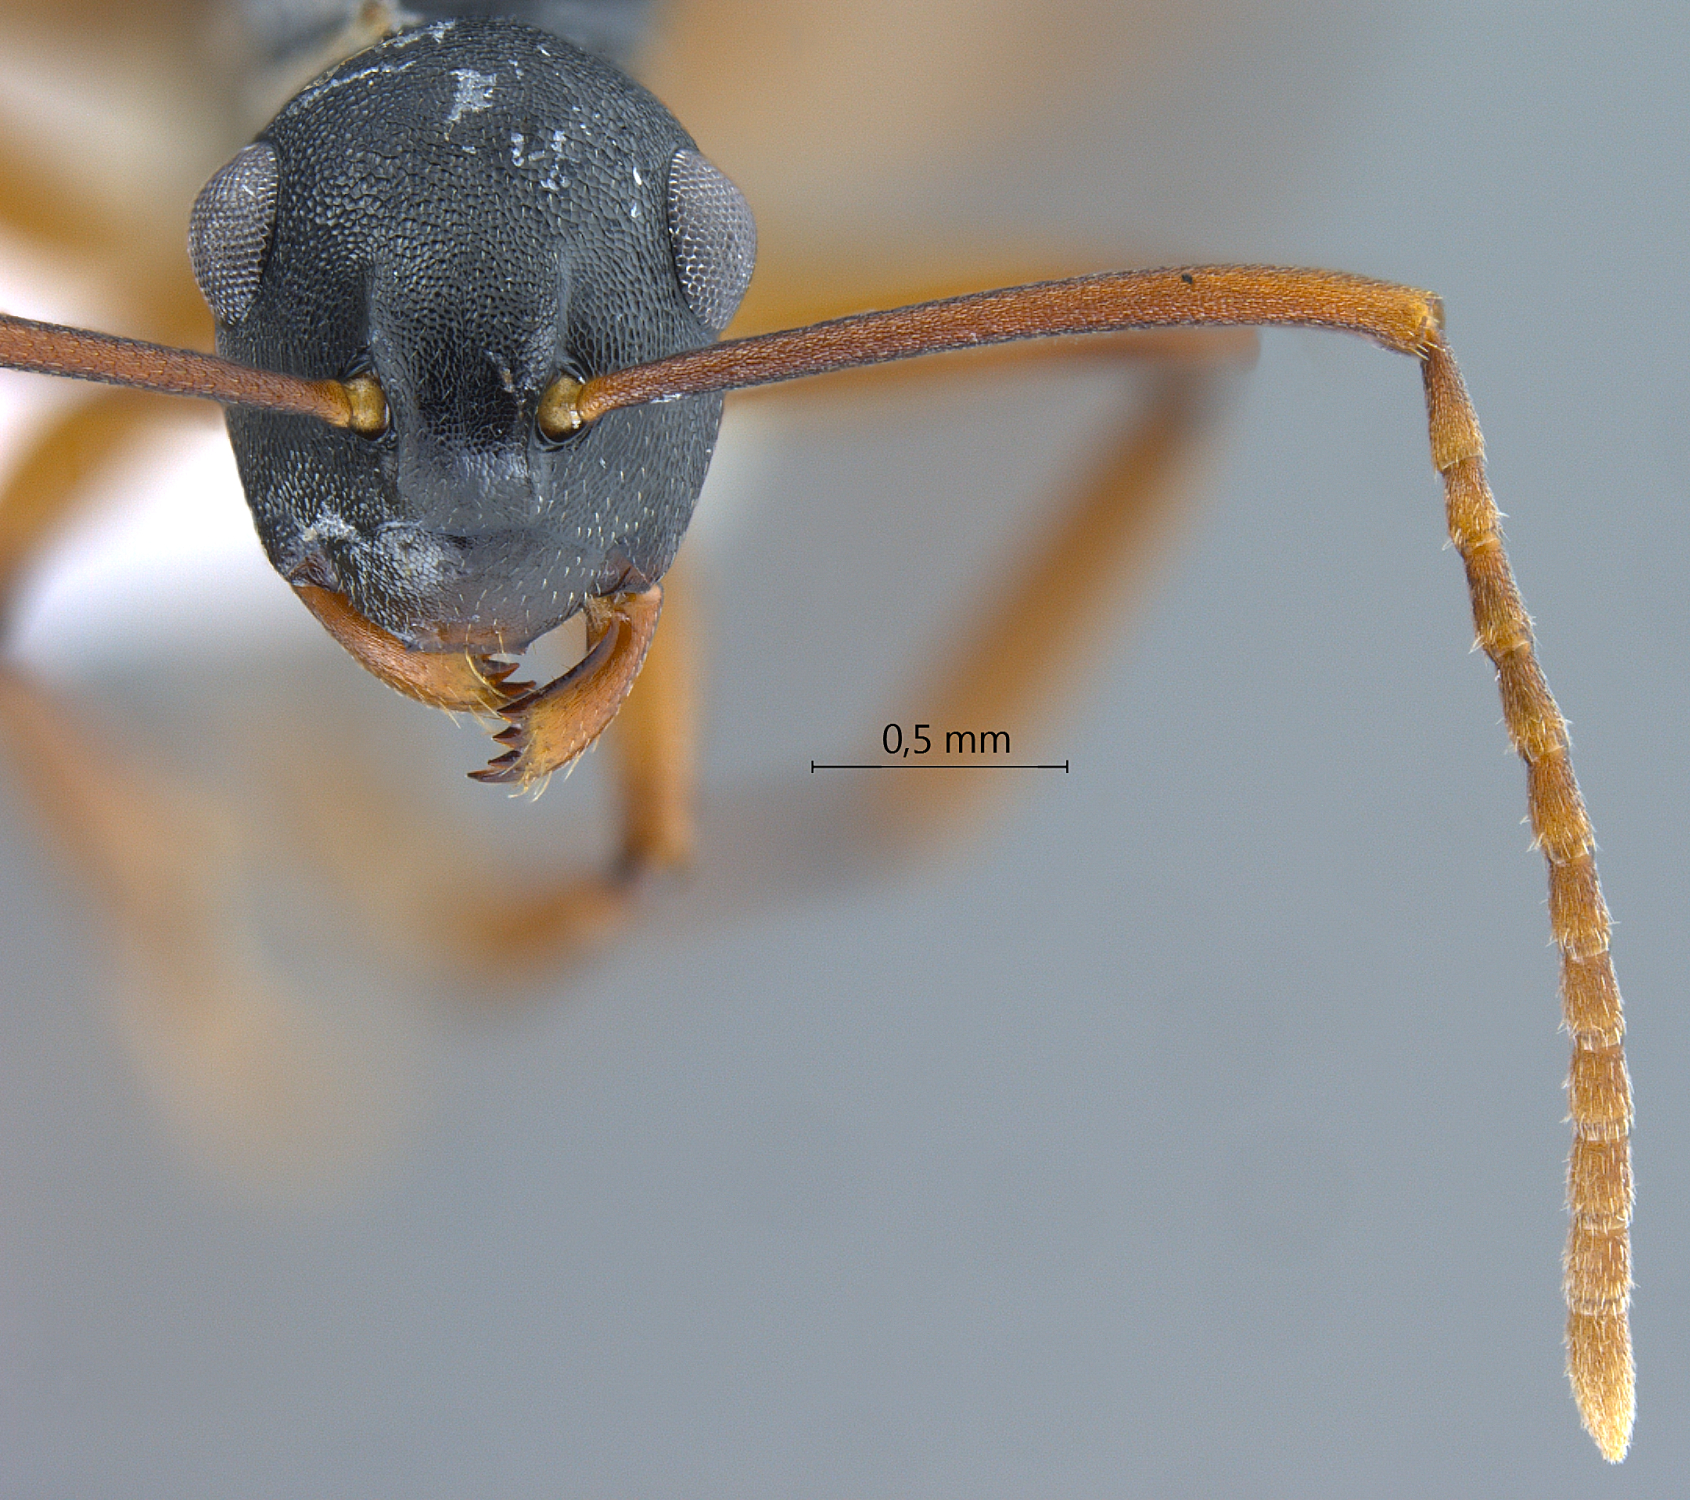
pixel 1196 1129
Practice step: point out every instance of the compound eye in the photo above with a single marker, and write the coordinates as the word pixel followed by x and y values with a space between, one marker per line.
pixel 229 231
pixel 714 238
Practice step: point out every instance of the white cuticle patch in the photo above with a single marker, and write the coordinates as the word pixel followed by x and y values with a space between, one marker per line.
pixel 474 93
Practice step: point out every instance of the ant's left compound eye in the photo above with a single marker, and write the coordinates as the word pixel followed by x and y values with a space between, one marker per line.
pixel 714 238
pixel 229 232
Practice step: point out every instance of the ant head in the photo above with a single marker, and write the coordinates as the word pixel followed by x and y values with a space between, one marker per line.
pixel 452 222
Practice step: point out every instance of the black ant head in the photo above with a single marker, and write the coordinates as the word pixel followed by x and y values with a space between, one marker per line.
pixel 463 215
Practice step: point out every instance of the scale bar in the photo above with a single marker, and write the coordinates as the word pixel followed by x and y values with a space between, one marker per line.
pixel 916 765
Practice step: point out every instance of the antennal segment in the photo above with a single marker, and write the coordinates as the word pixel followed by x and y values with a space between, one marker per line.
pixel 51 349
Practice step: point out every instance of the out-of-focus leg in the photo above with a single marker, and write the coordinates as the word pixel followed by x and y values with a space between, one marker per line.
pixel 1050 615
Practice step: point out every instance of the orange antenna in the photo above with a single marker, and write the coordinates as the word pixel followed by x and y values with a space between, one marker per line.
pixel 1115 302
pixel 50 349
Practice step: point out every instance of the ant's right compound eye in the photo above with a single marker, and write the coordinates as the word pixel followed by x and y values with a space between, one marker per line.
pixel 229 232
